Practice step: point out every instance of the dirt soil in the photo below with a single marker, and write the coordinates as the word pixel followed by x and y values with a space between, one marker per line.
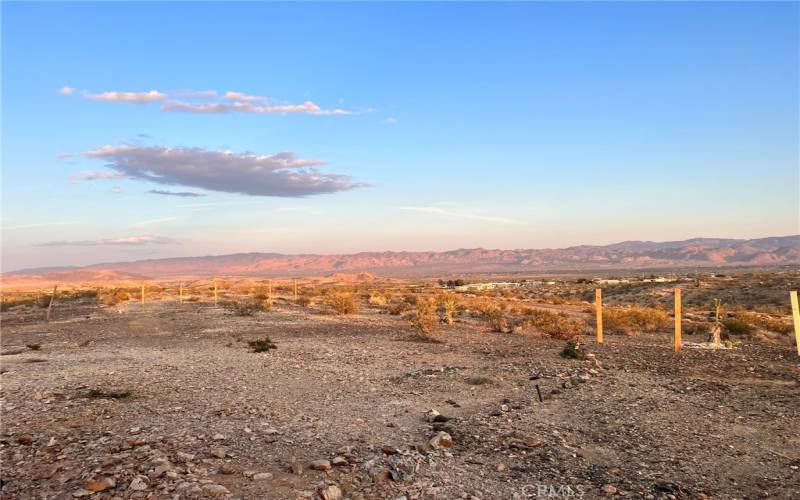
pixel 207 418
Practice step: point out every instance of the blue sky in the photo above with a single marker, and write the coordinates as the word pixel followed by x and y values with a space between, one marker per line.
pixel 406 126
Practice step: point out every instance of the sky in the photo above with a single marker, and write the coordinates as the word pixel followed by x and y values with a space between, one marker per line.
pixel 149 130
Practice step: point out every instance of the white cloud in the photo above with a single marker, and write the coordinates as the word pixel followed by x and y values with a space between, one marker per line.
pixel 124 241
pixel 116 189
pixel 461 215
pixel 307 107
pixel 281 174
pixel 66 90
pixel 134 97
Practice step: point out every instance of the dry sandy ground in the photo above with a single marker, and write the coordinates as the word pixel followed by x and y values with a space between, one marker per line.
pixel 205 414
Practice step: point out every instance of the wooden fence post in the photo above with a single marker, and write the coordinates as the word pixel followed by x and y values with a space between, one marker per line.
pixel 796 318
pixel 142 293
pixel 216 297
pixel 598 306
pixel 52 299
pixel 677 320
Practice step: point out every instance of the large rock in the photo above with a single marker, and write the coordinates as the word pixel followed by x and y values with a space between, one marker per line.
pixel 441 440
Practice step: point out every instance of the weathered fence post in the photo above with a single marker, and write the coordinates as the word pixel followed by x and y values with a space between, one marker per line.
pixel 52 299
pixel 598 307
pixel 143 294
pixel 216 297
pixel 796 318
pixel 677 320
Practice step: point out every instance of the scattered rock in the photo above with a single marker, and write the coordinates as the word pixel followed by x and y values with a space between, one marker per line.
pixel 218 437
pixel 331 492
pixel 139 483
pixel 219 453
pixel 320 465
pixel 99 484
pixel 215 490
pixel 609 489
pixel 25 439
pixel 339 461
pixel 441 440
pixel 262 476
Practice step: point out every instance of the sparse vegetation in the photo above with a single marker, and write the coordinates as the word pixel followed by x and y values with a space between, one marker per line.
pixel 496 319
pixel 98 393
pixel 244 308
pixel 572 350
pixel 738 326
pixel 634 319
pixel 424 317
pixel 448 304
pixel 262 345
pixel 33 347
pixel 554 324
pixel 342 303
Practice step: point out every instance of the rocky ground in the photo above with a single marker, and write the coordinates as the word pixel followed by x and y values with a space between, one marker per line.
pixel 167 401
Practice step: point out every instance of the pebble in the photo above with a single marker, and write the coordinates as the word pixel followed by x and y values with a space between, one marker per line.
pixel 339 461
pixel 262 476
pixel 139 483
pixel 218 437
pixel 609 489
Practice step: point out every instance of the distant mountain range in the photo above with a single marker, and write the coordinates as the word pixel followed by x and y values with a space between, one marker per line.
pixel 698 252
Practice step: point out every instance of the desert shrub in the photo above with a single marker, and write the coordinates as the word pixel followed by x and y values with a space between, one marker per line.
pixel 245 308
pixel 554 324
pixel 115 296
pixel 448 303
pixel 410 298
pixel 399 308
pixel 303 300
pixel 378 299
pixel 98 393
pixel 766 322
pixel 340 303
pixel 424 317
pixel 262 345
pixel 572 350
pixel 496 319
pixel 694 328
pixel 635 318
pixel 33 347
pixel 738 326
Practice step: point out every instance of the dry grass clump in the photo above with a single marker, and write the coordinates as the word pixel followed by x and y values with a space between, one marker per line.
pixel 739 326
pixel 554 324
pixel 632 319
pixel 303 300
pixel 378 299
pixel 496 319
pixel 424 317
pixel 115 296
pixel 763 322
pixel 448 305
pixel 341 303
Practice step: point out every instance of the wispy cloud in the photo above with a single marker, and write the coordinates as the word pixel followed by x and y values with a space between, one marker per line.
pixel 124 241
pixel 461 215
pixel 281 174
pixel 156 221
pixel 209 101
pixel 183 194
pixel 91 175
pixel 116 189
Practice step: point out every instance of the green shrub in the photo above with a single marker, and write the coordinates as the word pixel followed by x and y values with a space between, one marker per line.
pixel 262 345
pixel 572 350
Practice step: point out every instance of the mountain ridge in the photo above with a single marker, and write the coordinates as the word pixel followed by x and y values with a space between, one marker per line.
pixel 694 252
